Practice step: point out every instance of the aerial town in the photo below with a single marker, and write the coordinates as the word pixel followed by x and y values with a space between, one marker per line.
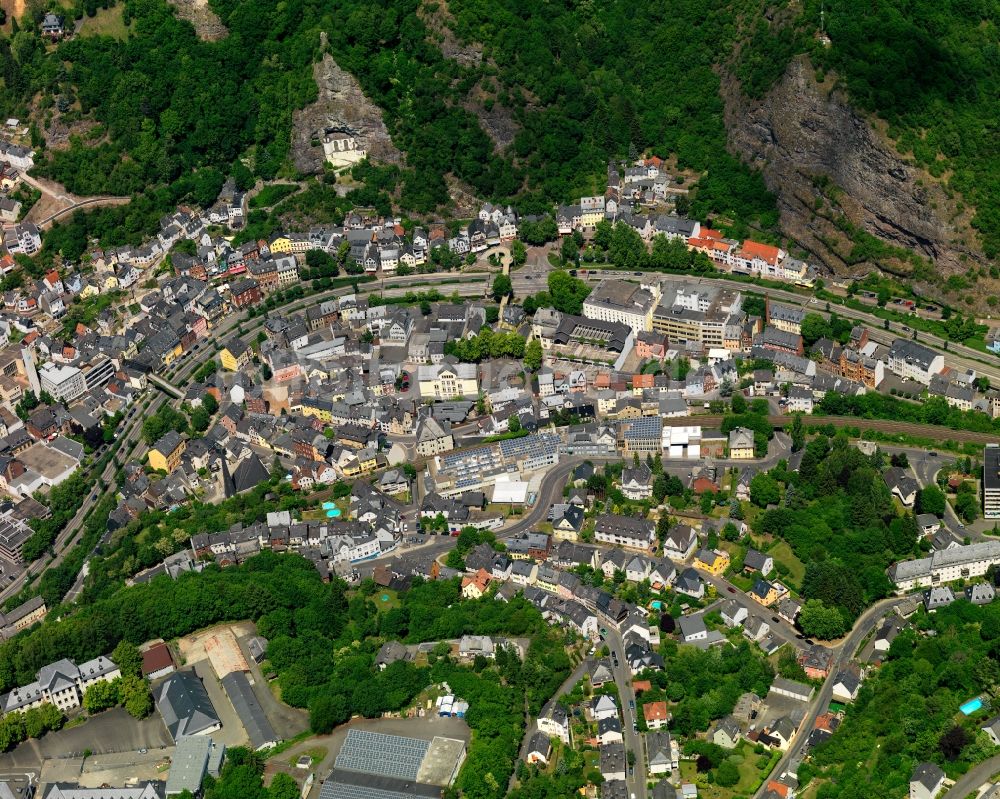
pixel 681 514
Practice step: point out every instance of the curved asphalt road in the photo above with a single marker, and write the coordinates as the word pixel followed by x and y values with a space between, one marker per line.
pixel 971 780
pixel 844 651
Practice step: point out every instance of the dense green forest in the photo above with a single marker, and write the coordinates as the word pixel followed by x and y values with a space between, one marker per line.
pixel 907 711
pixel 839 519
pixel 165 114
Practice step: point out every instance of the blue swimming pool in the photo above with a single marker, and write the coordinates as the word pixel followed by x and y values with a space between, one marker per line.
pixel 972 706
pixel 656 604
pixel 333 513
pixel 329 505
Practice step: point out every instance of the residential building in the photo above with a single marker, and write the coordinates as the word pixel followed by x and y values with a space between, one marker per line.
pixel 662 753
pixel 945 566
pixel 433 437
pixel 741 443
pixel 62 684
pixel 166 453
pixel 245 293
pixel 926 782
pixel 714 562
pixel 554 722
pixel 912 361
pixel 656 715
pixel 627 531
pixel 236 355
pixel 680 542
pixel 726 733
pixel 991 482
pixel 637 482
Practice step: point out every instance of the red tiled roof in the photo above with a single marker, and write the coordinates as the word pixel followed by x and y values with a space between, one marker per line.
pixel 765 252
pixel 155 658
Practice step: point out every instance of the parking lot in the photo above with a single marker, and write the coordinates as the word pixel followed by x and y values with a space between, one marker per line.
pixel 111 731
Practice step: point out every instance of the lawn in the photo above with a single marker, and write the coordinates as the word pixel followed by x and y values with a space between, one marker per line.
pixel 782 553
pixel 106 22
pixel 751 776
pixel 386 599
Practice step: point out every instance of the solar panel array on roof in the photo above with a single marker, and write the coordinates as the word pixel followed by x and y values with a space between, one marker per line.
pixel 351 785
pixel 376 753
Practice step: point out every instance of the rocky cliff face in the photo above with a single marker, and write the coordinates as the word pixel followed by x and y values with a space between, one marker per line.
pixel 341 105
pixel 803 130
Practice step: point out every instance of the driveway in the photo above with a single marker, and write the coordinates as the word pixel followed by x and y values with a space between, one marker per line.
pixel 232 732
pixel 287 721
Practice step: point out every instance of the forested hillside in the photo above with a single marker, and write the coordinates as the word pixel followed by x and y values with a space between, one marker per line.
pixel 575 83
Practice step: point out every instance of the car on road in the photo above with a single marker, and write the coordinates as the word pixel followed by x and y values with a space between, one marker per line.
pixel 932 454
pixel 906 329
pixel 631 704
pixel 142 751
pixel 809 642
pixel 730 589
pixel 776 620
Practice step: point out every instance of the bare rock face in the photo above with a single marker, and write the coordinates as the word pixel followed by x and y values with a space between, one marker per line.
pixel 206 23
pixel 341 106
pixel 804 132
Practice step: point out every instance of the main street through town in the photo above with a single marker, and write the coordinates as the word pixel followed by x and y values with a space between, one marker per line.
pixel 532 278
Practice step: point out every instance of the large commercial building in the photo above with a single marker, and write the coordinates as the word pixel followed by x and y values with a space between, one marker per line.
pixel 65 383
pixel 991 482
pixel 698 314
pixel 99 373
pixel 623 302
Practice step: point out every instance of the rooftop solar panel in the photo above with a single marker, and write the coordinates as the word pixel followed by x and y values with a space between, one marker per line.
pixel 387 755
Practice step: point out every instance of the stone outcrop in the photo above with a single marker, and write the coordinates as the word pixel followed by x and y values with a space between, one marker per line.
pixel 803 130
pixel 341 106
